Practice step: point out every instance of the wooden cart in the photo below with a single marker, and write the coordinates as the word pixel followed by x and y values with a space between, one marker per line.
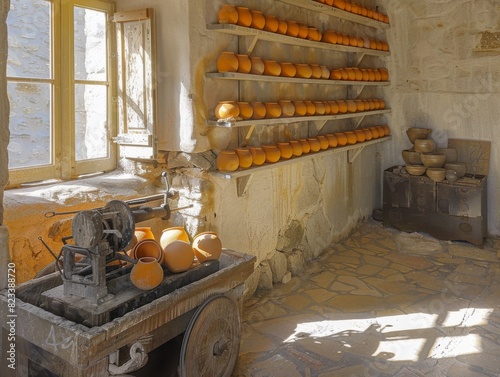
pixel 207 311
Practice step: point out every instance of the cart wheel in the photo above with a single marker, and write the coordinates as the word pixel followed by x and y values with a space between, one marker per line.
pixel 212 339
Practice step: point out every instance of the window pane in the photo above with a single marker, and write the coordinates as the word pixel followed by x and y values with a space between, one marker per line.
pixel 90 44
pixel 30 125
pixel 91 125
pixel 28 25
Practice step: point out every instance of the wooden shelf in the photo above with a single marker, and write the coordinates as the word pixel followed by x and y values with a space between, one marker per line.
pixel 280 38
pixel 275 121
pixel 336 12
pixel 243 176
pixel 293 80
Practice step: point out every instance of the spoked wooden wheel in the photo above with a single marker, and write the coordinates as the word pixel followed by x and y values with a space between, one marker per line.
pixel 212 339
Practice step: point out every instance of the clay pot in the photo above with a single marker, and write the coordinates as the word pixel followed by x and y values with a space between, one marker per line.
pixel 227 62
pixel 178 256
pixel 282 27
pixel 272 68
pixel 368 134
pixel 148 248
pixel 271 23
pixel 227 109
pixel 387 130
pixel 381 131
pixel 354 8
pixel 176 233
pixel 257 65
pixel 364 11
pixel 244 157
pixel 259 110
pixel 300 108
pixel 451 175
pixel 306 147
pixel 319 108
pixel 325 72
pixel 292 29
pixel 207 246
pixel 332 140
pixel 384 74
pixel 436 174
pixel 288 70
pixel 147 233
pixel 323 142
pixel 272 153
pixel 351 75
pixel 334 107
pixel 415 169
pixel 348 6
pixel 365 75
pixel 378 75
pixel 411 157
pixel 316 71
pixel 351 137
pixel 314 143
pixel 287 108
pixel 335 74
pixel 358 74
pixel 342 106
pixel 310 108
pixel 339 4
pixel 374 131
pixel 360 105
pixel 329 36
pixel 296 148
pixel 246 110
pixel 353 41
pixel 304 71
pixel 351 106
pixel 146 274
pixel 244 16
pixel 418 133
pixel 459 167
pixel 227 15
pixel 303 31
pixel 360 135
pixel 258 19
pixel 273 110
pixel 345 40
pixel 451 154
pixel 244 63
pixel 327 107
pixel 286 150
pixel 227 161
pixel 312 35
pixel 382 103
pixel 433 160
pixel 341 138
pixel 424 145
pixel 258 155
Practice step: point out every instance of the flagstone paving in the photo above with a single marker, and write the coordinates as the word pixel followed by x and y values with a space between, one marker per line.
pixel 381 303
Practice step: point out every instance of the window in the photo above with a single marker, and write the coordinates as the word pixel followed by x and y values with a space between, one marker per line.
pixel 60 83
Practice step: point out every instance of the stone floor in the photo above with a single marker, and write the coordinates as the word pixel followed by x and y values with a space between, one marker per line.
pixel 382 303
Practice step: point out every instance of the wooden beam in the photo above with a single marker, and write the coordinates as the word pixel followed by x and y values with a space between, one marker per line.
pixel 131 15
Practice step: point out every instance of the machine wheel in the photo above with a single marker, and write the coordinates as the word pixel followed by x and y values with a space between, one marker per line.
pixel 212 339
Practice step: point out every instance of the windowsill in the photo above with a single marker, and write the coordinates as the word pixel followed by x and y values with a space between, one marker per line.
pixel 80 194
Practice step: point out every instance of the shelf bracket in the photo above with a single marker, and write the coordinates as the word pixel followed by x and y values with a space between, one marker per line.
pixel 248 135
pixel 242 184
pixel 358 122
pixel 353 153
pixel 359 57
pixel 247 43
pixel 317 125
pixel 355 91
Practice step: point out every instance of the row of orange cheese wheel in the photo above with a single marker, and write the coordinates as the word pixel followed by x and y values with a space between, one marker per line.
pixel 357 9
pixel 241 63
pixel 244 158
pixel 243 16
pixel 235 110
